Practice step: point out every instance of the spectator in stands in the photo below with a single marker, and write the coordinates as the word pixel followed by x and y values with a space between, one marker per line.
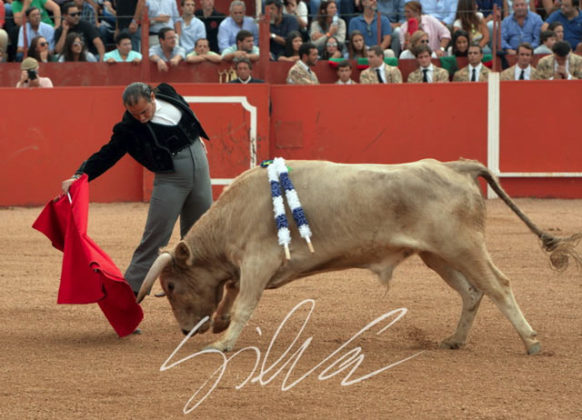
pixel 571 20
pixel 426 71
pixel 40 50
pixel 523 69
pixel 167 52
pixel 344 73
pixel 45 6
pixel 244 48
pixel 442 10
pixel 475 71
pixel 459 45
pixel 379 72
pixel 292 45
pixel 231 26
pixel 211 19
pixel 34 28
pixel 521 26
pixel 547 41
pixel 72 23
pixel 367 25
pixel 244 67
pixel 472 22
pixel 75 49
pixel 301 73
pixel 88 12
pixel 558 29
pixel 394 11
pixel 162 14
pixel 281 25
pixel 562 64
pixel 123 52
pixel 189 27
pixel 29 76
pixel 486 7
pixel 333 49
pixel 202 53
pixel 106 20
pixel 298 10
pixel 545 8
pixel 438 35
pixel 416 39
pixel 3 33
pixel 356 46
pixel 128 15
pixel 327 24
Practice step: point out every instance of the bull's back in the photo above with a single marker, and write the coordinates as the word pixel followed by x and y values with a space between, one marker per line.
pixel 361 203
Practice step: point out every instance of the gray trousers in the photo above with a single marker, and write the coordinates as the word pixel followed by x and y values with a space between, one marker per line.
pixel 186 193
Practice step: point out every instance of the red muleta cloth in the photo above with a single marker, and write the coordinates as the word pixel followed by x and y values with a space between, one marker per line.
pixel 88 274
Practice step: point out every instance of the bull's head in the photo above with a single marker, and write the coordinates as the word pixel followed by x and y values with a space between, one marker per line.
pixel 191 290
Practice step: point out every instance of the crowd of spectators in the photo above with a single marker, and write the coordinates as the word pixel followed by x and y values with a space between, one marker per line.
pixel 110 31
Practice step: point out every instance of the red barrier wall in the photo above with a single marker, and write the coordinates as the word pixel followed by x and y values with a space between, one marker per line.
pixel 539 132
pixel 380 123
pixel 45 134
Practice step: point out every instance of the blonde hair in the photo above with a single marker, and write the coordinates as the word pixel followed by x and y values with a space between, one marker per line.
pixel 416 37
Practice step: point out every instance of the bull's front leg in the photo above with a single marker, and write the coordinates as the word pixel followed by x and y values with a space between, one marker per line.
pixel 255 275
pixel 221 318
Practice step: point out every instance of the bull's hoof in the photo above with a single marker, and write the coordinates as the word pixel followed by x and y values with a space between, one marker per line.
pixel 534 348
pixel 220 324
pixel 451 344
pixel 217 345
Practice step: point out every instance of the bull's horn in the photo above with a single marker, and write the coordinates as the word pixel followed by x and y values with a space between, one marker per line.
pixel 163 259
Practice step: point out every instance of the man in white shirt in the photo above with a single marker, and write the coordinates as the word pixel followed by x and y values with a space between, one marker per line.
pixel 475 71
pixel 190 28
pixel 523 69
pixel 344 73
pixel 379 72
pixel 426 71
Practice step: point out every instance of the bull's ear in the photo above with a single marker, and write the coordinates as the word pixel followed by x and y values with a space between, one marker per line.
pixel 183 254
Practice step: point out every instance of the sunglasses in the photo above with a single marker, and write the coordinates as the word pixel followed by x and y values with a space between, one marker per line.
pixel 424 41
pixel 75 14
pixel 43 44
pixel 77 44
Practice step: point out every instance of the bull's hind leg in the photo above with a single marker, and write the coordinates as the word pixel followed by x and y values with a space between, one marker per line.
pixel 481 272
pixel 470 295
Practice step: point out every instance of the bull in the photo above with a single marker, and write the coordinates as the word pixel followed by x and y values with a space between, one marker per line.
pixel 362 216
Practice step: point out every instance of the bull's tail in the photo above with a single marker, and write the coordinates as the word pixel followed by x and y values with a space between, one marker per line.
pixel 561 249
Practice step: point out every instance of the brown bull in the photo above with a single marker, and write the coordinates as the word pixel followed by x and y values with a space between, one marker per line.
pixel 361 216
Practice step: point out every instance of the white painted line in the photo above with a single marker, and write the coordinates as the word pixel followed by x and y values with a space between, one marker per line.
pixel 243 100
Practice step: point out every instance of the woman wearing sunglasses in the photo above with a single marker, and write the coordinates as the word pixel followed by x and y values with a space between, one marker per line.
pixel 40 50
pixel 75 50
pixel 417 39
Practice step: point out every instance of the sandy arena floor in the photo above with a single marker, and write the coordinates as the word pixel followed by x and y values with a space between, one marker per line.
pixel 65 362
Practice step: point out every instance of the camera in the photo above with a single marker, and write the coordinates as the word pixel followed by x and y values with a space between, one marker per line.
pixel 32 75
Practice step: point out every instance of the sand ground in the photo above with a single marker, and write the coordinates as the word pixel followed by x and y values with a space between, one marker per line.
pixel 65 362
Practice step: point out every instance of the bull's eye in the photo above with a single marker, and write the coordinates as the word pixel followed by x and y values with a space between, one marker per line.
pixel 171 286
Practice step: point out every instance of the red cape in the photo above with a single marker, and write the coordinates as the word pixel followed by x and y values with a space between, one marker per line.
pixel 88 274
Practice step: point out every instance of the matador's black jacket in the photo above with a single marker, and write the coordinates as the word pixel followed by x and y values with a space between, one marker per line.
pixel 152 145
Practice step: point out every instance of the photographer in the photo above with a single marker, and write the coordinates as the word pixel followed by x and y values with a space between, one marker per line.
pixel 29 76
